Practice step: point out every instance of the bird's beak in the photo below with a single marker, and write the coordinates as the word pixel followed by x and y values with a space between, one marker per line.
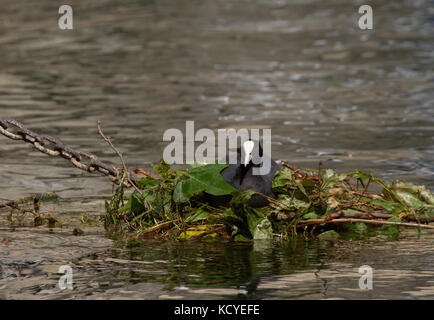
pixel 247 159
pixel 248 148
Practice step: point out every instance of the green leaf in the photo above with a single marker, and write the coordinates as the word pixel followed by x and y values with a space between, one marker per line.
pixel 310 215
pixel 361 175
pixel 260 227
pixel 428 211
pixel 113 207
pixel 241 238
pixel 391 207
pixel 413 196
pixel 292 202
pixel 163 169
pixel 147 182
pixel 199 215
pixel 390 194
pixel 394 219
pixel 329 234
pixel 390 231
pixel 196 231
pixel 331 178
pixel 301 187
pixel 204 178
pixel 282 178
pixel 355 230
pixel 196 164
pixel 361 228
pixel 135 204
pixel 256 222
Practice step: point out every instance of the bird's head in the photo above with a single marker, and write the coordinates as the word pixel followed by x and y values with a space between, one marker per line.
pixel 251 149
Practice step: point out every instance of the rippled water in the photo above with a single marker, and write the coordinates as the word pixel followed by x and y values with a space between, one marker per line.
pixel 266 270
pixel 329 91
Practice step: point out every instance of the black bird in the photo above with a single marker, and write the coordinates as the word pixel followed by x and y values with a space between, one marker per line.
pixel 240 175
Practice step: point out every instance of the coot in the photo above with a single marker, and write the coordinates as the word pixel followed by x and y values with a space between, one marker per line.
pixel 241 177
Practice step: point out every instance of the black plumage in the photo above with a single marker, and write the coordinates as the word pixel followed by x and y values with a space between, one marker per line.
pixel 241 177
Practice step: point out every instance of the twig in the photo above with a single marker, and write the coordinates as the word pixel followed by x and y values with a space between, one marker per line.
pixel 365 194
pixel 319 181
pixel 271 200
pixel 366 188
pixel 108 140
pixel 359 215
pixel 334 240
pixel 153 229
pixel 320 221
pixel 347 181
pixel 418 219
pixel 14 206
pixel 10 204
pixel 146 174
pixel 5 241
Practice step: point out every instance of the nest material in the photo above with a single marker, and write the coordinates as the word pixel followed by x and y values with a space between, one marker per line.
pixel 326 203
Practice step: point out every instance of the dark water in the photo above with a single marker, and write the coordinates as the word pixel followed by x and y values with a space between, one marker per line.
pixel 266 270
pixel 329 91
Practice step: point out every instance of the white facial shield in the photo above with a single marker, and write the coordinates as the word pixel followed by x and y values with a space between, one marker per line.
pixel 248 148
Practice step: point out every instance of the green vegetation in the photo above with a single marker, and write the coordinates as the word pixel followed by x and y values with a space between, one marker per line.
pixel 175 205
pixel 19 210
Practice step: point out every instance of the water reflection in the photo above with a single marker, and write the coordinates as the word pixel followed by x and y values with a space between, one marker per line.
pixel 299 269
pixel 265 270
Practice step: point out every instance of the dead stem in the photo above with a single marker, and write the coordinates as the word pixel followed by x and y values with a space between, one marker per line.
pixel 108 140
pixel 351 220
pixel 158 227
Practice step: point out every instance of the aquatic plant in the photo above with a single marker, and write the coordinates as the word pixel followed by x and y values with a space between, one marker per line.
pixel 176 204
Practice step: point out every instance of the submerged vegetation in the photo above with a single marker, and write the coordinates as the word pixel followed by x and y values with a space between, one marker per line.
pixel 198 204
pixel 22 209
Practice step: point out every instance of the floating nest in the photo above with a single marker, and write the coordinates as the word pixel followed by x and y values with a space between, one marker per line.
pixel 199 204
pixel 316 203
